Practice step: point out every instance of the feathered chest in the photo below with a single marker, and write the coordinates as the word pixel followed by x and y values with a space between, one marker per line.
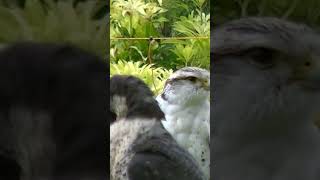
pixel 189 126
pixel 189 120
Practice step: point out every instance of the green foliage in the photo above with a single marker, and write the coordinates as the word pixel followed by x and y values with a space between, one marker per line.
pixel 193 25
pixel 178 8
pixel 154 60
pixel 133 18
pixel 161 18
pixel 51 21
pixel 193 52
pixel 154 77
pixel 306 11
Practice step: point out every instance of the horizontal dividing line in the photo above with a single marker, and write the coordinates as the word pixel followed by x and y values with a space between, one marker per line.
pixel 160 38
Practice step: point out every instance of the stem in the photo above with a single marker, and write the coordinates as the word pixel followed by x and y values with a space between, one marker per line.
pixel 262 7
pixel 244 6
pixel 150 62
pixel 130 35
pixel 130 25
pixel 200 8
pixel 290 9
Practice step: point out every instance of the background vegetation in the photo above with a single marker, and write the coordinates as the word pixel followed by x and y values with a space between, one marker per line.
pixel 154 60
pixel 304 11
pixel 78 22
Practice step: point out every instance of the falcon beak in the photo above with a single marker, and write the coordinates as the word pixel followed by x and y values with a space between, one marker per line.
pixel 206 85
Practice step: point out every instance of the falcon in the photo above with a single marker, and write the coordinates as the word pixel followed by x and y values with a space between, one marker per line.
pixel 185 102
pixel 140 148
pixel 266 74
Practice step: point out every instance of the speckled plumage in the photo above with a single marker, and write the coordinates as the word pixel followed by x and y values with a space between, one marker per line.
pixel 130 142
pixel 185 102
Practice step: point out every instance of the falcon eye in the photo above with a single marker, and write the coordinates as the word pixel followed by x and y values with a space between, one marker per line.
pixel 192 79
pixel 261 57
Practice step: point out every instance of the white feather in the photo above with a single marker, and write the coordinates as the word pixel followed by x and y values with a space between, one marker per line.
pixel 190 126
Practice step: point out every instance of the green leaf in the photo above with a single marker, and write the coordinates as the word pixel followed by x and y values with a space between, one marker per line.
pixel 141 54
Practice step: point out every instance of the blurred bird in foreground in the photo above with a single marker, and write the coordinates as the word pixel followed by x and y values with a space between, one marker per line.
pixel 140 148
pixel 266 74
pixel 185 102
pixel 52 116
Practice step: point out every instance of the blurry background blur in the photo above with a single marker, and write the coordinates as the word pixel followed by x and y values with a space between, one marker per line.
pixel 305 11
pixel 79 22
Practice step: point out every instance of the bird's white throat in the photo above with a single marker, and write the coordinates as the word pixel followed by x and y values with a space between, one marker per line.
pixel 189 125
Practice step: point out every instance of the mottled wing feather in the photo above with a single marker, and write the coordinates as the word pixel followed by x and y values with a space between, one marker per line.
pixel 162 156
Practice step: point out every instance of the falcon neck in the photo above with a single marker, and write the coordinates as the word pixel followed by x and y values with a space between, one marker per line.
pixel 197 101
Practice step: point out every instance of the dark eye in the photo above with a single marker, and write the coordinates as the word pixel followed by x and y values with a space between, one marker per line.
pixel 192 79
pixel 263 58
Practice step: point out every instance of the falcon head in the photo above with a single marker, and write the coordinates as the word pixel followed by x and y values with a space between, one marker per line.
pixel 266 74
pixel 130 97
pixel 188 83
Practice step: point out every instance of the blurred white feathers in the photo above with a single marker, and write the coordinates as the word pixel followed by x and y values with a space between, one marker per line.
pixel 185 102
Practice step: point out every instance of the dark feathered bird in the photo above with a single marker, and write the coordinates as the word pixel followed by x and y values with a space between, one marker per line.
pixel 266 86
pixel 135 96
pixel 52 113
pixel 140 147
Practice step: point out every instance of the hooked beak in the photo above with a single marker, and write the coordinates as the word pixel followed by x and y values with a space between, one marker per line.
pixel 206 84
